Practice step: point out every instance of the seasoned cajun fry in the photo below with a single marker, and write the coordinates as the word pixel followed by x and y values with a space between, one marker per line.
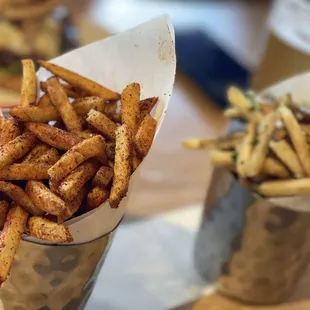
pixel 274 168
pixel 233 113
pixel 239 100
pixel 45 101
pixel 96 197
pixel 36 152
pixel 136 160
pixel 45 200
pixel 110 150
pixel 110 108
pixel 18 195
pixel 4 209
pixel 102 123
pixel 84 134
pixel 16 149
pixel 246 148
pixel 10 131
pixel 284 188
pixel 2 122
pixel 11 235
pixel 297 136
pixel 29 84
pixel 61 102
pixel 44 229
pixel 50 157
pixel 145 135
pixel 122 166
pixel 79 81
pixel 53 136
pixel 72 184
pixel 83 105
pixel 130 107
pixel 40 114
pixel 256 161
pixel 28 171
pixel 69 90
pixel 287 155
pixel 117 118
pixel 73 205
pixel 79 153
pixel 146 106
pixel 103 177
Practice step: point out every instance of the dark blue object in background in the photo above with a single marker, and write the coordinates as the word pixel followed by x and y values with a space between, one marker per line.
pixel 208 65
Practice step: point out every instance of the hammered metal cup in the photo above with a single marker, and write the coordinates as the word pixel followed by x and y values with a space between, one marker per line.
pixel 253 250
pixel 54 277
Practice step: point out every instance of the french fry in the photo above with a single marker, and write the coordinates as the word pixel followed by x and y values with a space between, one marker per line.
pixel 287 155
pixel 45 101
pixel 297 136
pixel 29 84
pixel 260 150
pixel 84 134
pixel 233 113
pixel 28 171
pixel 224 143
pixel 36 152
pixel 16 149
pixel 61 102
pixel 4 209
pixel 72 184
pixel 279 134
pixel 11 235
pixel 11 130
pixel 40 114
pixel 246 148
pixel 102 123
pixel 2 122
pixel 117 118
pixel 305 128
pixel 274 168
pixel 93 147
pixel 44 229
pixel 266 108
pixel 53 136
pixel 146 106
pixel 136 160
pixel 45 200
pixel 110 150
pixel 50 157
pixel 145 135
pixel 79 81
pixel 83 105
pixel 103 177
pixel 284 188
pixel 223 158
pixel 73 206
pixel 130 107
pixel 110 108
pixel 18 195
pixel 69 90
pixel 96 197
pixel 122 166
pixel 239 100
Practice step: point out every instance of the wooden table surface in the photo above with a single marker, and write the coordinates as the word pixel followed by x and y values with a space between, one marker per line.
pixel 173 177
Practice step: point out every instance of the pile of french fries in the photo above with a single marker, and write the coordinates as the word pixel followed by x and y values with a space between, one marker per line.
pixel 66 154
pixel 272 155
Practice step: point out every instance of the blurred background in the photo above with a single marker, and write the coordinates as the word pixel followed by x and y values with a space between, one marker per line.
pixel 218 43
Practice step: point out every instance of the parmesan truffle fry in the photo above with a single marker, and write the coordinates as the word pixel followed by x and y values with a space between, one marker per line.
pixel 61 102
pixel 287 155
pixel 11 235
pixel 233 113
pixel 28 171
pixel 84 150
pixel 16 149
pixel 18 195
pixel 53 136
pixel 297 136
pixel 79 81
pixel 29 84
pixel 44 229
